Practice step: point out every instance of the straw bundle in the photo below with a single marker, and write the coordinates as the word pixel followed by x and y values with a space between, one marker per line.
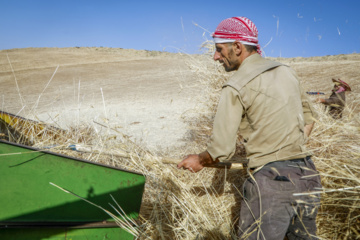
pixel 336 148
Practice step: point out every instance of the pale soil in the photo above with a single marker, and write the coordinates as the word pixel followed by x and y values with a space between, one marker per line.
pixel 140 93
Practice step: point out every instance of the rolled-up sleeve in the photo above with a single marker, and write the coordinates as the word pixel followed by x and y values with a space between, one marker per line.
pixel 310 114
pixel 226 124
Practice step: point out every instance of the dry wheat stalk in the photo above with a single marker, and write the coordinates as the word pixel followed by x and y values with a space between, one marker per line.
pixel 182 205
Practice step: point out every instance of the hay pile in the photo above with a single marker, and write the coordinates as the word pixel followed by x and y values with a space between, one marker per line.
pixel 181 205
pixel 336 148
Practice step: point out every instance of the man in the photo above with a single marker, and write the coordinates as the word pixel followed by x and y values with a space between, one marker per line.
pixel 336 102
pixel 264 100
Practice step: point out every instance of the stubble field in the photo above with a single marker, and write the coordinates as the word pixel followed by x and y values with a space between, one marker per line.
pixel 165 103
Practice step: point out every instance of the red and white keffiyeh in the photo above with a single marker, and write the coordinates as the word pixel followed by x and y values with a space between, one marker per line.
pixel 237 29
pixel 342 84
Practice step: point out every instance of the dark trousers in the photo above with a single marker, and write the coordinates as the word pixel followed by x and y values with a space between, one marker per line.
pixel 270 210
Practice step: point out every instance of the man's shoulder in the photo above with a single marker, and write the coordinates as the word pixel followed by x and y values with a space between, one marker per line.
pixel 258 61
pixel 250 70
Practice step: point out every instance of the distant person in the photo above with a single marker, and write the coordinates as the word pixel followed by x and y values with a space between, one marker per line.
pixel 267 98
pixel 336 102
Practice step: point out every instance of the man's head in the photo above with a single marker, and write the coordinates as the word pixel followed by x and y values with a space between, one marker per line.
pixel 231 54
pixel 235 39
pixel 340 85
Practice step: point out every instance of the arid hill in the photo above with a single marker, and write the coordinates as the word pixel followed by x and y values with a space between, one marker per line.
pixel 142 93
pixel 166 102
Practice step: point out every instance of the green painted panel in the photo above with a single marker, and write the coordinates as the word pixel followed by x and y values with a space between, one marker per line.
pixel 27 196
pixel 65 234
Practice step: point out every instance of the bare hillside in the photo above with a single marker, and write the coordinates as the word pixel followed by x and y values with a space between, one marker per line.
pixel 140 93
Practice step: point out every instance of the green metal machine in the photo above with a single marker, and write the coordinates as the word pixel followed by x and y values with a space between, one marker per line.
pixel 31 208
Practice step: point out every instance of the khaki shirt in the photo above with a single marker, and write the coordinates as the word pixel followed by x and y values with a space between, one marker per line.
pixel 270 109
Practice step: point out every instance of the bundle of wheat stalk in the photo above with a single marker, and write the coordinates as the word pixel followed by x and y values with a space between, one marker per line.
pixel 336 148
pixel 181 205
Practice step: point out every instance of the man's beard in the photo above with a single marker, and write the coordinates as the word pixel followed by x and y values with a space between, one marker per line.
pixel 231 66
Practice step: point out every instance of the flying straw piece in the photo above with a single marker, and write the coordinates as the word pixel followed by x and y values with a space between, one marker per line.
pixel 338 31
pixel 38 100
pixel 17 86
pixel 122 223
pixel 201 27
pixel 182 27
pixel 103 99
pixel 327 191
pixel 268 42
pixel 182 24
pixel 277 24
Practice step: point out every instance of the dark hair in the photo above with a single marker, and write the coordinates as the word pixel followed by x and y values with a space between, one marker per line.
pixel 250 48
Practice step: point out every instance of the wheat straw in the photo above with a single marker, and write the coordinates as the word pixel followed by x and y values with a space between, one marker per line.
pixel 181 205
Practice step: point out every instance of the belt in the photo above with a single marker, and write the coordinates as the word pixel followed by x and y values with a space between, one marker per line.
pixel 298 160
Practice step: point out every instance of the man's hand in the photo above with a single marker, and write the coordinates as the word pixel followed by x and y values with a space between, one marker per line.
pixel 196 162
pixel 192 163
pixel 320 100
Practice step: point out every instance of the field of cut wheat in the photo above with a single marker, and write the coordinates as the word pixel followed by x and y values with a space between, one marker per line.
pixel 137 108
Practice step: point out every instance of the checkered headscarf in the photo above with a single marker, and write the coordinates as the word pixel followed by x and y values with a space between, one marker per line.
pixel 237 29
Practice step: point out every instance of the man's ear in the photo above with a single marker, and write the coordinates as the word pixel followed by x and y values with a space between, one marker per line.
pixel 237 47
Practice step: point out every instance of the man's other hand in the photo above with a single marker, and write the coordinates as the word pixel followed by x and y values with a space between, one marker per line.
pixel 320 100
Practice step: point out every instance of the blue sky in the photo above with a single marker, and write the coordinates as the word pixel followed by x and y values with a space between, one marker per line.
pixel 287 28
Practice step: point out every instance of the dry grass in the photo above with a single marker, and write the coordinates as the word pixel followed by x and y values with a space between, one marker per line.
pixel 181 205
pixel 337 155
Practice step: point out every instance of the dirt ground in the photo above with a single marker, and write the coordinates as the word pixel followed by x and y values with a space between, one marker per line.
pixel 141 93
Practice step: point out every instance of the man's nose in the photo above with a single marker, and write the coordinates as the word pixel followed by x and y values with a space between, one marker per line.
pixel 216 56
